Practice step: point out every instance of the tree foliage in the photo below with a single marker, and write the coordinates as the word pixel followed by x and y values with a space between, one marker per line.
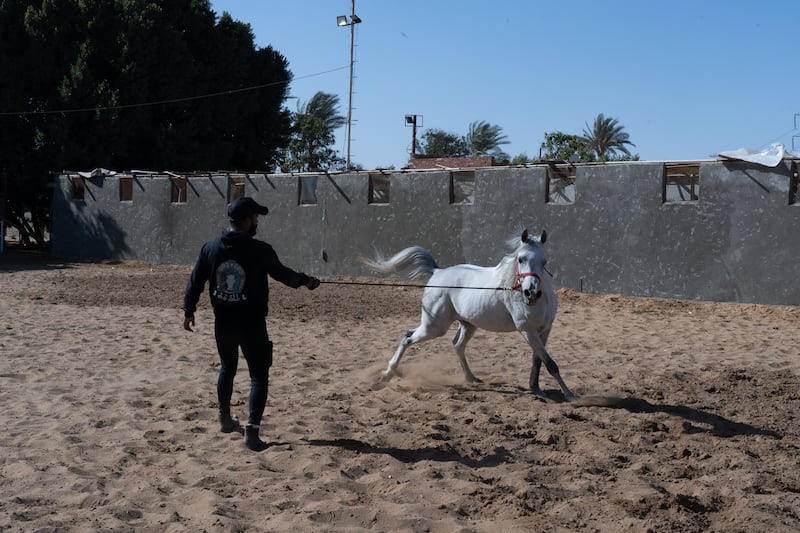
pixel 127 84
pixel 606 137
pixel 520 159
pixel 563 146
pixel 485 139
pixel 310 147
pixel 482 138
pixel 440 143
pixel 324 106
pixel 312 134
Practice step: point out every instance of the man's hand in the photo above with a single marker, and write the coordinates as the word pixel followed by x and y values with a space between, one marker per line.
pixel 188 322
pixel 312 283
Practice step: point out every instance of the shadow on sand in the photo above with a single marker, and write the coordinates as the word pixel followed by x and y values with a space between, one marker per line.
pixel 443 453
pixel 17 259
pixel 697 420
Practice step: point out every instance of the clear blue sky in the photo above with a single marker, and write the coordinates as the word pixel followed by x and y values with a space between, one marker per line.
pixel 686 78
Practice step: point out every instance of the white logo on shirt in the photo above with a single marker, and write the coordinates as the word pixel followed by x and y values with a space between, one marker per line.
pixel 230 282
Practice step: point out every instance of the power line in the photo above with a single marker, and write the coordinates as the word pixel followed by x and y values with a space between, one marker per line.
pixel 784 134
pixel 162 102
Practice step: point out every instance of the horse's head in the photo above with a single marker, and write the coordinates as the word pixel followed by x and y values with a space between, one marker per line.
pixel 530 262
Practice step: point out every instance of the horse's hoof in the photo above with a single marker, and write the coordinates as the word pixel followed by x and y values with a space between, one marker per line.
pixel 542 395
pixel 386 375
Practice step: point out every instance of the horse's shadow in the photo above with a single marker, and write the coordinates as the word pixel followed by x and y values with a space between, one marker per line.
pixel 697 420
pixel 414 455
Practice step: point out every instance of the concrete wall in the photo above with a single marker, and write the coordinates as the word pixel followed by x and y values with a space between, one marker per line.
pixel 418 162
pixel 739 242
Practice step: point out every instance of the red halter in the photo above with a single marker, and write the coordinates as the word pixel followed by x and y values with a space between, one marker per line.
pixel 520 276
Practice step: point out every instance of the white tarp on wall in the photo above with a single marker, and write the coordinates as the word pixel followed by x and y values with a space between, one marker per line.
pixel 771 157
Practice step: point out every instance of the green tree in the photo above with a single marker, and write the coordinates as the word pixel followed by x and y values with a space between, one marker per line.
pixel 127 84
pixel 563 147
pixel 501 158
pixel 520 159
pixel 310 146
pixel 485 139
pixel 606 137
pixel 439 143
pixel 324 106
pixel 312 134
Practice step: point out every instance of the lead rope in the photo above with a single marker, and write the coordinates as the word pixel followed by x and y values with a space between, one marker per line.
pixel 417 285
pixel 516 287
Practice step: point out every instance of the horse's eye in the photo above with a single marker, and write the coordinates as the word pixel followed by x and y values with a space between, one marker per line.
pixel 521 260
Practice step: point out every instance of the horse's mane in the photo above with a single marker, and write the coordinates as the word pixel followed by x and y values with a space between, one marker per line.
pixel 508 270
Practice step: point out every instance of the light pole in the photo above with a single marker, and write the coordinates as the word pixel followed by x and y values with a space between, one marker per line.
pixel 412 120
pixel 795 137
pixel 341 21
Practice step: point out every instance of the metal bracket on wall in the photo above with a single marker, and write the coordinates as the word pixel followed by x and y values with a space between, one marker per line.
pixel 795 138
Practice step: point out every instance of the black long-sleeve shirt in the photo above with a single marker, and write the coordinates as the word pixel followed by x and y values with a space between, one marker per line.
pixel 237 268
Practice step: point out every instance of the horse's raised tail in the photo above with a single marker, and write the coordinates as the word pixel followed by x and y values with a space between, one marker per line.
pixel 414 263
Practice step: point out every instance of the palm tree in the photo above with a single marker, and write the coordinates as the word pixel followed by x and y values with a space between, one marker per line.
pixel 312 133
pixel 606 137
pixel 485 139
pixel 324 106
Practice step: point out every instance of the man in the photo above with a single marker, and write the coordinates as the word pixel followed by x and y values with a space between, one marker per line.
pixel 237 267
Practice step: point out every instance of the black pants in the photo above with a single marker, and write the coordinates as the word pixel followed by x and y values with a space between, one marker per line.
pixel 251 335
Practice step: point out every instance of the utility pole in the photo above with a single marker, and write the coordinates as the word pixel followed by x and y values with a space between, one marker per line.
pixel 343 21
pixel 411 120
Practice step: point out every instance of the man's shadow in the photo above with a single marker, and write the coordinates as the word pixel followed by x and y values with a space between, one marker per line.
pixel 443 453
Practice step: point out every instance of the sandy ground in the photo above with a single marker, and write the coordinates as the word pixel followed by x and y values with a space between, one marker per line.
pixel 109 415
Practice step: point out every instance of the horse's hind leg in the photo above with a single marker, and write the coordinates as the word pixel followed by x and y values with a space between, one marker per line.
pixel 428 329
pixel 463 335
pixel 422 333
pixel 395 360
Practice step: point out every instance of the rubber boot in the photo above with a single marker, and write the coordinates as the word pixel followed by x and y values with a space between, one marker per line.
pixel 251 439
pixel 228 423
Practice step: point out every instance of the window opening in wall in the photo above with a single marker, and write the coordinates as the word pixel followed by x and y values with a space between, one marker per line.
pixel 78 188
pixel 560 184
pixel 235 187
pixel 462 187
pixel 681 182
pixel 126 188
pixel 378 189
pixel 307 190
pixel 178 189
pixel 794 179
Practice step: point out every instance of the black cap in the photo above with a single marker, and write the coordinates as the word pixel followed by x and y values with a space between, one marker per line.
pixel 244 207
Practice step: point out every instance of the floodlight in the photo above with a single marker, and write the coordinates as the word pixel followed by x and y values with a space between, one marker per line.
pixel 341 20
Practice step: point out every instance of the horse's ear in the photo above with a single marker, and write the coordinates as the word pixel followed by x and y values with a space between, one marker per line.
pixel 543 237
pixel 525 235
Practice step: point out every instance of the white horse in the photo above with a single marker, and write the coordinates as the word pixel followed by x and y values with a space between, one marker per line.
pixel 517 294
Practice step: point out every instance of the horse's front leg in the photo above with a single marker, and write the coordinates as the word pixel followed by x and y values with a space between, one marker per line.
pixel 540 356
pixel 533 383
